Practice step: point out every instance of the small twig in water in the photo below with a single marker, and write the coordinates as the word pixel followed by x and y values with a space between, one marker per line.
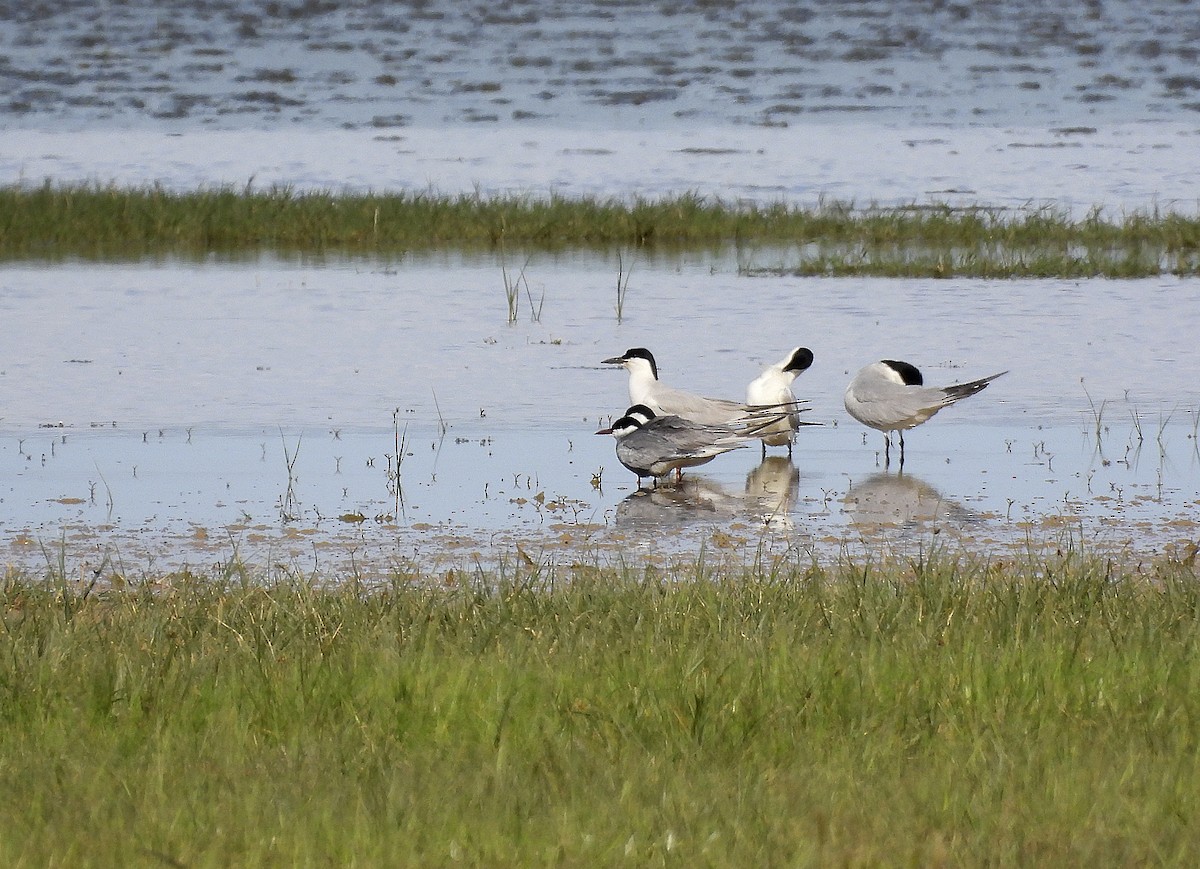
pixel 1162 426
pixel 441 419
pixel 1096 414
pixel 107 491
pixel 394 480
pixel 287 509
pixel 535 311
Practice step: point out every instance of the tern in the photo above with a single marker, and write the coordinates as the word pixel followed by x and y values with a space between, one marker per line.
pixel 652 446
pixel 892 396
pixel 774 388
pixel 646 389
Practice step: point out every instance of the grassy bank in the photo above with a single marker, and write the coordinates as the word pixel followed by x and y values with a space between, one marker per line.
pixel 51 222
pixel 937 711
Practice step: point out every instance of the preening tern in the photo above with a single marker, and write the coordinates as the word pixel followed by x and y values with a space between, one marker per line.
pixel 653 446
pixel 774 388
pixel 892 396
pixel 646 389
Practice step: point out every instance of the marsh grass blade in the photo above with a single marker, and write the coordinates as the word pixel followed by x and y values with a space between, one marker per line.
pixel 622 285
pixel 512 287
pixel 1097 413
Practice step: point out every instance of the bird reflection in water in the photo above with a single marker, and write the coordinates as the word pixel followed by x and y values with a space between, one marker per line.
pixel 901 500
pixel 770 494
pixel 772 490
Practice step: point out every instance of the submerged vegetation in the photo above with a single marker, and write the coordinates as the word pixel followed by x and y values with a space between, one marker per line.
pixel 934 711
pixel 93 221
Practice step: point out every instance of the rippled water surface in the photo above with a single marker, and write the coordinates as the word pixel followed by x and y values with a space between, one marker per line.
pixel 576 64
pixel 364 411
pixel 891 102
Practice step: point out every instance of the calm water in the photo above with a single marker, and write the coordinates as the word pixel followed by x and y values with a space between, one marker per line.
pixel 182 412
pixel 179 411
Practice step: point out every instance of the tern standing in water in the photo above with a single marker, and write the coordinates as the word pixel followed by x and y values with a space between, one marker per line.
pixel 892 396
pixel 654 446
pixel 774 387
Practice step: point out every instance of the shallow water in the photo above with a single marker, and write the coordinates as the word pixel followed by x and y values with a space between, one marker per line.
pixel 127 501
pixel 178 412
pixel 149 406
pixel 343 344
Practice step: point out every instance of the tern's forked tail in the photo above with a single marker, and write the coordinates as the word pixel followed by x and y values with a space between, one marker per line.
pixel 963 390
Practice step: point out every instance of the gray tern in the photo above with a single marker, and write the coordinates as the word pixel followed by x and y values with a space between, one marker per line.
pixel 653 446
pixel 892 396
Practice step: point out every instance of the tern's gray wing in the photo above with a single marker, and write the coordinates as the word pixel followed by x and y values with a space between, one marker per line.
pixel 654 452
pixel 887 405
pixel 884 405
pixel 687 437
pixel 698 408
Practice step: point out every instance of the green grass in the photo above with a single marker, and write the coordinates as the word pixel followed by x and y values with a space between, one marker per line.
pixel 96 222
pixel 939 711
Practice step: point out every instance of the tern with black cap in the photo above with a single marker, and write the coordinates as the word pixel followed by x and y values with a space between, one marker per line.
pixel 892 396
